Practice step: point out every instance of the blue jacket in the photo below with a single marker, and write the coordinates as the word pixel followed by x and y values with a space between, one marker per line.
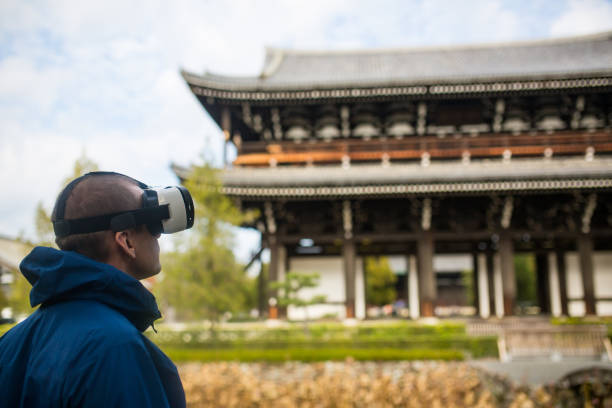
pixel 83 347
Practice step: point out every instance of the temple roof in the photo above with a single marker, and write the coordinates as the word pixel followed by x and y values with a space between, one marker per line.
pixel 438 177
pixel 577 57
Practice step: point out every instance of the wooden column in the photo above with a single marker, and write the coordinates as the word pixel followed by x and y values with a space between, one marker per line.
pixel 484 309
pixel 273 277
pixel 427 278
pixel 562 282
pixel 476 282
pixel 226 126
pixel 491 283
pixel 585 255
pixel 262 290
pixel 413 287
pixel 282 268
pixel 348 255
pixel 506 254
pixel 543 283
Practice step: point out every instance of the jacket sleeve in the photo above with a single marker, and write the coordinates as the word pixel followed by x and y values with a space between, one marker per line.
pixel 121 374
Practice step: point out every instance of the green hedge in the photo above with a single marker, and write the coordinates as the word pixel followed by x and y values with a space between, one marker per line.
pixel 475 346
pixel 319 332
pixel 310 355
pixel 322 339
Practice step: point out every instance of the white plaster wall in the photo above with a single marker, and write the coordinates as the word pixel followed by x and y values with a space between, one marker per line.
pixel 554 287
pixel 331 285
pixel 452 263
pixel 602 265
pixel 603 308
pixel 498 286
pixel 573 277
pixel 360 302
pixel 574 285
pixel 397 263
pixel 602 271
pixel 413 288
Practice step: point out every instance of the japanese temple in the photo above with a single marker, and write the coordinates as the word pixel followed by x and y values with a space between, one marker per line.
pixel 477 151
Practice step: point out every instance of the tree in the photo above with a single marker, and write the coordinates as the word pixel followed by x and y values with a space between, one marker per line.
pixel 380 281
pixel 289 291
pixel 19 298
pixel 42 219
pixel 524 267
pixel 201 278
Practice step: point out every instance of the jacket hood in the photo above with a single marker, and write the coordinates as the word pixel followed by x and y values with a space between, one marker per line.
pixel 64 275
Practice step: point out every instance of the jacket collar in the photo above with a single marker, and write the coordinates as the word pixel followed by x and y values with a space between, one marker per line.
pixel 64 275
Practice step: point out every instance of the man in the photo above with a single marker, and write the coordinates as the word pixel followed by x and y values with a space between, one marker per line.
pixel 83 347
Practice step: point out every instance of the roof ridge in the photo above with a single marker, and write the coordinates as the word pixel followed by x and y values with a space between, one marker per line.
pixel 270 51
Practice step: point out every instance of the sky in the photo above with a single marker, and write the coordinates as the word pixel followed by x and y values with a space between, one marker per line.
pixel 102 78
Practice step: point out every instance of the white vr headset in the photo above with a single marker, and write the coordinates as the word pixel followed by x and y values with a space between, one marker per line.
pixel 164 210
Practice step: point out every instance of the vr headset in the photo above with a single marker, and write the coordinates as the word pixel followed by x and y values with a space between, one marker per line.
pixel 164 210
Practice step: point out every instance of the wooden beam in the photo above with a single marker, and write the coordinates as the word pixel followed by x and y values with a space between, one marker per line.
pixel 485 145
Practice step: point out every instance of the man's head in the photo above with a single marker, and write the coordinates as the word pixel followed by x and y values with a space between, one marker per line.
pixel 134 250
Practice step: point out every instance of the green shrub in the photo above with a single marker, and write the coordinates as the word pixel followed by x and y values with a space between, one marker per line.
pixel 403 337
pixel 309 355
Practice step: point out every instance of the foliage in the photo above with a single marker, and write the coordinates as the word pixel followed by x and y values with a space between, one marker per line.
pixel 82 165
pixel 380 281
pixel 4 302
pixel 524 266
pixel 42 219
pixel 323 337
pixel 467 278
pixel 19 299
pixel 289 290
pixel 201 278
pixel 302 354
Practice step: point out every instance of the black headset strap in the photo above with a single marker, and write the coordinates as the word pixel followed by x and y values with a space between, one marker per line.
pixel 116 222
pixel 61 200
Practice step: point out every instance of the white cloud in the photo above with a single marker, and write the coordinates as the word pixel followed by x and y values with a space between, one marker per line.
pixel 583 17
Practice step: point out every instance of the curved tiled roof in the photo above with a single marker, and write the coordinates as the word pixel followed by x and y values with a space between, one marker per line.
pixel 442 177
pixel 586 56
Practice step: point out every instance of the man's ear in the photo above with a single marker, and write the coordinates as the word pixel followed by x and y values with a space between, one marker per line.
pixel 124 240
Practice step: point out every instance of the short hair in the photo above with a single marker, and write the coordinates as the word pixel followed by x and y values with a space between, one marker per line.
pixel 95 195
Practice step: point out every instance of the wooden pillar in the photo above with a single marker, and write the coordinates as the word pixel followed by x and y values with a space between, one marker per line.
pixel 543 283
pixel 262 290
pixel 553 283
pixel 491 282
pixel 282 268
pixel 427 278
pixel 348 255
pixel 413 287
pixel 484 286
pixel 585 255
pixel 476 282
pixel 506 254
pixel 562 282
pixel 226 126
pixel 273 277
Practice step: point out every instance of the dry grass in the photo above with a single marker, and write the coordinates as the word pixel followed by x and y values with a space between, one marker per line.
pixel 351 384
